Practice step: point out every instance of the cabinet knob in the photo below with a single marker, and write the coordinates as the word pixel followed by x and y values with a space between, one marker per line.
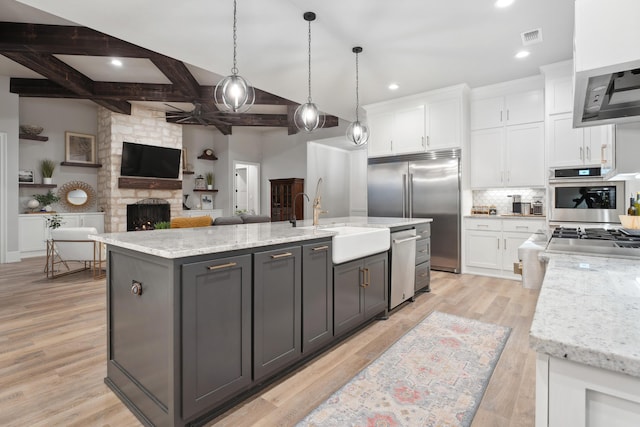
pixel 136 288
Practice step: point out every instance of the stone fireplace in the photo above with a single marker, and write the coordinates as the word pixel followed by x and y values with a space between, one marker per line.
pixel 143 127
pixel 144 214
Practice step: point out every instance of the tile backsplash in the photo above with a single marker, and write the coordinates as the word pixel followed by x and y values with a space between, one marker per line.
pixel 500 197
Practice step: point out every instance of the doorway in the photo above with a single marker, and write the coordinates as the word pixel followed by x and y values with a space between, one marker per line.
pixel 246 187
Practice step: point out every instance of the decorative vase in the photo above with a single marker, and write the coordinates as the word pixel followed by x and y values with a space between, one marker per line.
pixel 32 204
pixel 48 180
pixel 48 208
pixel 209 186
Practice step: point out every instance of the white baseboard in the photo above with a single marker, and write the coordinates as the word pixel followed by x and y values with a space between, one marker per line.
pixel 13 256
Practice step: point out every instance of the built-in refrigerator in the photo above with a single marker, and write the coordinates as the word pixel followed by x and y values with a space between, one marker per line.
pixel 425 185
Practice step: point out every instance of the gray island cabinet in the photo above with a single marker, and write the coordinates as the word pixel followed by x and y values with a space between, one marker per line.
pixel 199 319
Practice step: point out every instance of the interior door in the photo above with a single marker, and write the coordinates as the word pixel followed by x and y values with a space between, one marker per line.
pixel 386 189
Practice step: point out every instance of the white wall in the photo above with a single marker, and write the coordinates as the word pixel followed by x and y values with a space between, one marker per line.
pixel 358 183
pixel 333 166
pixel 196 139
pixel 9 110
pixel 56 116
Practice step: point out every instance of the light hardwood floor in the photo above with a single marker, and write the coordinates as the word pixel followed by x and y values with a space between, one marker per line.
pixel 53 353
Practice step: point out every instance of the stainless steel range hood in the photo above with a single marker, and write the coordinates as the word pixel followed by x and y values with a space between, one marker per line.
pixel 607 62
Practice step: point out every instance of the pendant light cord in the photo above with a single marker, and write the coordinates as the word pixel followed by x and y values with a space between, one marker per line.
pixel 234 70
pixel 357 89
pixel 309 82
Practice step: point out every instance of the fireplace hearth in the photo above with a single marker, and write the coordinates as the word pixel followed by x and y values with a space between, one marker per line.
pixel 144 214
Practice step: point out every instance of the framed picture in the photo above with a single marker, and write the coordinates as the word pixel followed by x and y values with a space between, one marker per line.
pixel 206 200
pixel 25 177
pixel 80 148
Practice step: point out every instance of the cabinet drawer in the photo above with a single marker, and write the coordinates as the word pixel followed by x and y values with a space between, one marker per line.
pixel 423 230
pixel 487 224
pixel 423 250
pixel 423 276
pixel 523 225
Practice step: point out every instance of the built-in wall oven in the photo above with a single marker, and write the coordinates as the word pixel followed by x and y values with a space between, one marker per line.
pixel 588 199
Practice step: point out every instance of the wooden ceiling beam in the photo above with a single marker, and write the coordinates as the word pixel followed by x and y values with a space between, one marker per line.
pixel 178 73
pixel 66 40
pixel 57 71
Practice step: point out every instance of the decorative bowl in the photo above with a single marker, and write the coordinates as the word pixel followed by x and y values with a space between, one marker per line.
pixel 31 130
pixel 630 222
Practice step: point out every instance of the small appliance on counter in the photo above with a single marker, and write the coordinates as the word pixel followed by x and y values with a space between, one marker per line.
pixel 536 206
pixel 516 203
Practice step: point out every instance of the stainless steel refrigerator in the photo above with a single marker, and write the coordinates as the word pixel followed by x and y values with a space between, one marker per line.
pixel 425 185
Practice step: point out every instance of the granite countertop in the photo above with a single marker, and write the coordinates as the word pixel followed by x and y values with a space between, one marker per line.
pixel 184 242
pixel 588 312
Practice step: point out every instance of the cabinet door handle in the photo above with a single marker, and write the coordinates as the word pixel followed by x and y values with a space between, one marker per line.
pixel 603 154
pixel 282 255
pixel 501 177
pixel 422 275
pixel 498 239
pixel 218 267
pixel 526 227
pixel 364 278
pixel 423 251
pixel 581 153
pixel 408 239
pixel 320 248
pixel 505 244
pixel 368 277
pixel 588 153
pixel 482 225
pixel 507 115
pixel 501 116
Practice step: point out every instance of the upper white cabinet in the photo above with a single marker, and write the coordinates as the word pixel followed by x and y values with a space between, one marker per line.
pixel 559 95
pixel 512 109
pixel 507 138
pixel 508 157
pixel 428 121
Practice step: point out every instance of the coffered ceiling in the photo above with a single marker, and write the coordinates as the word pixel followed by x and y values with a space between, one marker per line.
pixel 419 44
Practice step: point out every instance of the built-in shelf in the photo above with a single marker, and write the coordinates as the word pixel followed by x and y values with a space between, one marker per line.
pixel 33 137
pixel 150 183
pixel 188 172
pixel 25 185
pixel 205 190
pixel 205 157
pixel 82 165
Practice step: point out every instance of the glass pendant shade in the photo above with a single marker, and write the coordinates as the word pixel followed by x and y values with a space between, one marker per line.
pixel 234 94
pixel 358 133
pixel 308 118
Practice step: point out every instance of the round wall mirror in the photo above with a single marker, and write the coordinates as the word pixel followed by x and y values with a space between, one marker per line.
pixel 77 196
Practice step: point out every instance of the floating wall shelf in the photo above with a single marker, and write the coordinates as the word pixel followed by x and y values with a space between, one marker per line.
pixel 82 165
pixel 205 157
pixel 150 183
pixel 33 137
pixel 25 185
pixel 205 190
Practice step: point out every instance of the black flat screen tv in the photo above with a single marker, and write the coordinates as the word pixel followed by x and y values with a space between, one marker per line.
pixel 149 161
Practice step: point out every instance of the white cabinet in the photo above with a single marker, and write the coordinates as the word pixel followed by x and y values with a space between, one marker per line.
pixel 570 394
pixel 428 121
pixel 491 244
pixel 512 109
pixel 34 233
pixel 590 146
pixel 398 132
pixel 559 94
pixel 444 124
pixel 511 156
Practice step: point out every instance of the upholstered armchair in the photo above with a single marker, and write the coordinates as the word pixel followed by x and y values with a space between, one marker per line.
pixel 71 246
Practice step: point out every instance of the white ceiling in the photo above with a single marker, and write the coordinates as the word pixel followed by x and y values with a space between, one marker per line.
pixel 419 44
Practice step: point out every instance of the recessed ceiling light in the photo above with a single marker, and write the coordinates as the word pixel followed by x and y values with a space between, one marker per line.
pixel 503 3
pixel 116 63
pixel 522 54
pixel 393 86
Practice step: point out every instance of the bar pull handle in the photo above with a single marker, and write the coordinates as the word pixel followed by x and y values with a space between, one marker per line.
pixel 525 227
pixel 507 115
pixel 282 255
pixel 368 277
pixel 364 283
pixel 404 193
pixel 498 239
pixel 482 225
pixel 500 116
pixel 408 239
pixel 423 143
pixel 221 266
pixel 505 244
pixel 320 248
pixel 588 153
pixel 581 153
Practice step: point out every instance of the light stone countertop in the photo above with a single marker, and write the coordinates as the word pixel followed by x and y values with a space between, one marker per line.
pixel 588 311
pixel 506 216
pixel 185 242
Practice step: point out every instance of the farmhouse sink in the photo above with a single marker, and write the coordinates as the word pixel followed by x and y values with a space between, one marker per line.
pixel 357 242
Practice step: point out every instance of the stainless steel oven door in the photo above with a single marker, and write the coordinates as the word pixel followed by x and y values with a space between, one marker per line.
pixel 587 201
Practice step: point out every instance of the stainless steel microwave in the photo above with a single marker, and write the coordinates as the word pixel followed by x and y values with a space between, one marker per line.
pixel 587 201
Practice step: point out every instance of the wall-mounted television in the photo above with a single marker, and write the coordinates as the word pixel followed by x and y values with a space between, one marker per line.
pixel 149 161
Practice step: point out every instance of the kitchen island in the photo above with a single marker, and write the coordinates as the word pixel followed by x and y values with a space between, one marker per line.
pixel 199 318
pixel 586 332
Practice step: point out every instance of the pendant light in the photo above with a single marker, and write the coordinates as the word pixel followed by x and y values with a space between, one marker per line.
pixel 307 116
pixel 358 132
pixel 234 94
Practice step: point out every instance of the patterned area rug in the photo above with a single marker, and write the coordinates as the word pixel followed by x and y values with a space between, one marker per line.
pixel 435 375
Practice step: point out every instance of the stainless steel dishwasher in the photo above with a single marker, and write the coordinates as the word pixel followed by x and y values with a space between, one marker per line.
pixel 403 266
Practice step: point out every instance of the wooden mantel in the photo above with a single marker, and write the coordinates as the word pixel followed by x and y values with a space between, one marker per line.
pixel 150 183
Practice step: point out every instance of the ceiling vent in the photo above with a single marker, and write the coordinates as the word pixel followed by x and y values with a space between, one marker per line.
pixel 531 37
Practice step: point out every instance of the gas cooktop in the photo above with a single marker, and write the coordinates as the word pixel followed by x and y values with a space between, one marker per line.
pixel 597 241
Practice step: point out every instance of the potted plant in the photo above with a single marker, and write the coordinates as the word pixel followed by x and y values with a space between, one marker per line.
pixel 209 178
pixel 54 221
pixel 46 200
pixel 47 167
